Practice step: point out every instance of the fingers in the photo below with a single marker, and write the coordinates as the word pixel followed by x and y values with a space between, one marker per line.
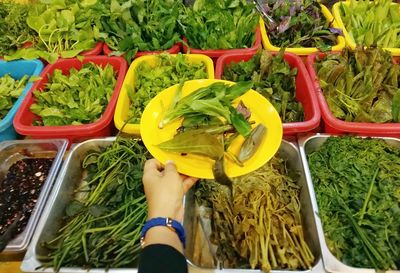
pixel 170 168
pixel 152 167
pixel 188 183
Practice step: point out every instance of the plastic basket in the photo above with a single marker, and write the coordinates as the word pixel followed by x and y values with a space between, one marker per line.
pixel 176 48
pixel 303 50
pixel 216 53
pixel 350 43
pixel 122 109
pixel 304 91
pixel 97 50
pixel 334 125
pixel 102 127
pixel 17 69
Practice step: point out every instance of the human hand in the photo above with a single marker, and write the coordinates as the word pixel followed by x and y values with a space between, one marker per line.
pixel 165 188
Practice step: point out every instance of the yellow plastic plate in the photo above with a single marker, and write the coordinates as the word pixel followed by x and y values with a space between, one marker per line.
pixel 350 43
pixel 303 51
pixel 261 109
pixel 123 103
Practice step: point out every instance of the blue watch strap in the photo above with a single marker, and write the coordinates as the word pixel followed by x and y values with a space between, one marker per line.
pixel 166 222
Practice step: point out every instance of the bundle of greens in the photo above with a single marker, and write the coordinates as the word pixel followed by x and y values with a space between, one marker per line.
pixel 299 23
pixel 10 90
pixel 273 78
pixel 141 25
pixel 103 223
pixel 151 79
pixel 14 31
pixel 372 22
pixel 261 227
pixel 74 99
pixel 64 28
pixel 362 86
pixel 220 24
pixel 357 186
pixel 210 123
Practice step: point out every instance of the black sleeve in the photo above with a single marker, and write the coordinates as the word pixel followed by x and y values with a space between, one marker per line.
pixel 162 259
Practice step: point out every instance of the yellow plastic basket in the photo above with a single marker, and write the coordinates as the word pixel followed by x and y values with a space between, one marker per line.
pixel 122 108
pixel 303 51
pixel 350 43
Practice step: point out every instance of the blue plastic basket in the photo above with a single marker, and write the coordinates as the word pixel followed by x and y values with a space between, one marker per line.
pixel 17 69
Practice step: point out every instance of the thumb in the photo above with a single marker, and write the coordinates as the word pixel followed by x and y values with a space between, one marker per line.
pixel 170 168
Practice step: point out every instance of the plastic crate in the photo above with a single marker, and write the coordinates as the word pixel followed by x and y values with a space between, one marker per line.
pixel 17 69
pixel 303 51
pixel 304 91
pixel 97 50
pixel 122 109
pixel 350 43
pixel 334 125
pixel 176 48
pixel 102 127
pixel 216 53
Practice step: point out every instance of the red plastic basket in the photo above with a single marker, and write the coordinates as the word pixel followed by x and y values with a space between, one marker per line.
pixel 334 125
pixel 97 50
pixel 304 91
pixel 176 48
pixel 102 127
pixel 216 53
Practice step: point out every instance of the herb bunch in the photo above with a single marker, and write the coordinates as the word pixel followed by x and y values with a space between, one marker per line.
pixel 220 24
pixel 10 90
pixel 273 78
pixel 357 187
pixel 299 23
pixel 103 223
pixel 361 86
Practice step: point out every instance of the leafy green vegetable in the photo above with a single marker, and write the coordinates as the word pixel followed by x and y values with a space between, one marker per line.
pixel 358 192
pixel 152 79
pixel 214 100
pixel 372 22
pixel 273 78
pixel 75 99
pixel 104 220
pixel 360 86
pixel 14 31
pixel 64 27
pixel 220 24
pixel 260 227
pixel 141 25
pixel 10 90
pixel 299 24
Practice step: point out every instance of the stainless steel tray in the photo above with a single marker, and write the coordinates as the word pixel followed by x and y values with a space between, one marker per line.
pixel 288 151
pixel 10 152
pixel 308 144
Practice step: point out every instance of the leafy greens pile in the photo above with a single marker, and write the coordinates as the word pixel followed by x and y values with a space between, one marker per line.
pixel 220 24
pixel 273 78
pixel 104 221
pixel 299 23
pixel 64 28
pixel 141 25
pixel 74 99
pixel 14 31
pixel 372 22
pixel 361 86
pixel 261 227
pixel 10 90
pixel 210 123
pixel 151 79
pixel 357 186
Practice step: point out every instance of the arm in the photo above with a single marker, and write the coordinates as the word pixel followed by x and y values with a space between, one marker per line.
pixel 164 189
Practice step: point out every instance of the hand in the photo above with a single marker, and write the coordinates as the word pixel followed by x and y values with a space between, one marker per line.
pixel 165 188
